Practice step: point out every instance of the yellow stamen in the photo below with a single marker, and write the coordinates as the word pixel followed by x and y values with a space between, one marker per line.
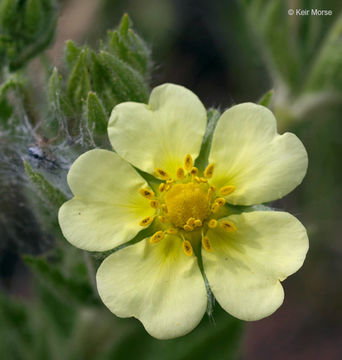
pixel 215 208
pixel 212 223
pixel 164 208
pixel 206 243
pixel 162 174
pixel 170 181
pixel 191 221
pixel 203 180
pixel 194 171
pixel 162 187
pixel 198 223
pixel 162 219
pixel 188 162
pixel 147 193
pixel 159 235
pixel 227 226
pixel 197 179
pixel 180 173
pixel 187 248
pixel 187 227
pixel 208 172
pixel 211 190
pixel 154 204
pixel 220 201
pixel 172 231
pixel 226 190
pixel 167 187
pixel 146 221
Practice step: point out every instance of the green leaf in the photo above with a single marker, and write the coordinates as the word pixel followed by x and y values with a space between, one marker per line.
pixel 49 193
pixel 125 24
pixel 72 53
pixel 66 288
pixel 202 161
pixel 79 81
pixel 34 16
pixel 130 47
pixel 126 81
pixel 326 72
pixel 266 99
pixel 96 114
pixel 103 84
pixel 54 89
pixel 8 10
pixel 26 29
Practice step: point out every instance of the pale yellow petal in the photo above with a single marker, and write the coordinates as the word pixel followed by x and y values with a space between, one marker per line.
pixel 160 134
pixel 245 267
pixel 250 155
pixel 107 206
pixel 156 283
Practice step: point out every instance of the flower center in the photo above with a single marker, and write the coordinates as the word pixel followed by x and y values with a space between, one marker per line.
pixel 186 201
pixel 188 206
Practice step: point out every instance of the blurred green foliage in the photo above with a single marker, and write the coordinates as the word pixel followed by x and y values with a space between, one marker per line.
pixel 27 27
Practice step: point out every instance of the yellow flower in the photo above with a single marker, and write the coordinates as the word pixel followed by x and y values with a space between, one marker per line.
pixel 187 212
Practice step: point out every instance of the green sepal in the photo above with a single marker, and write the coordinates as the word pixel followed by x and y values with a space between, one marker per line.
pixel 213 116
pixel 266 99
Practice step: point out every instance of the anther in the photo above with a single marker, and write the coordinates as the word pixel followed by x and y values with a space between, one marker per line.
pixel 164 208
pixel 198 223
pixel 187 227
pixel 180 173
pixel 226 190
pixel 194 171
pixel 172 231
pixel 187 248
pixel 215 207
pixel 147 193
pixel 227 226
pixel 211 190
pixel 206 243
pixel 159 235
pixel 208 172
pixel 203 180
pixel 146 221
pixel 220 201
pixel 154 204
pixel 162 219
pixel 191 221
pixel 162 187
pixel 212 223
pixel 197 179
pixel 170 181
pixel 188 162
pixel 167 187
pixel 162 174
